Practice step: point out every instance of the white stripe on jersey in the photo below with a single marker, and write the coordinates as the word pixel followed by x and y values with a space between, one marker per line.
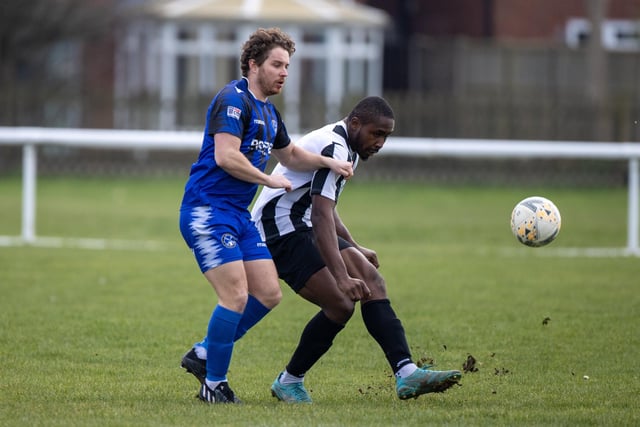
pixel 277 212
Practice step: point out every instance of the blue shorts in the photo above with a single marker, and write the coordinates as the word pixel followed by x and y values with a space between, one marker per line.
pixel 218 236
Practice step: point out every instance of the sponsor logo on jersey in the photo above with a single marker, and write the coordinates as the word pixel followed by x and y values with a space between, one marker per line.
pixel 262 147
pixel 258 122
pixel 233 112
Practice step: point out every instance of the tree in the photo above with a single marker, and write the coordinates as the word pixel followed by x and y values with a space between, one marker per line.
pixel 29 30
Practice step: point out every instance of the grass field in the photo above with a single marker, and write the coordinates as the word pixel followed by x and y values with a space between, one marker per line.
pixel 94 337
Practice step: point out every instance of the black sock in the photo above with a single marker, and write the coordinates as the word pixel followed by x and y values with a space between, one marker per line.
pixel 315 340
pixel 385 327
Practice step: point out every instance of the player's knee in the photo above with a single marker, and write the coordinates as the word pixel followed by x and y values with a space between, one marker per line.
pixel 376 284
pixel 271 298
pixel 268 293
pixel 340 311
pixel 236 302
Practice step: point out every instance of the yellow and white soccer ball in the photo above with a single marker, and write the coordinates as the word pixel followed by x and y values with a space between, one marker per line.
pixel 535 221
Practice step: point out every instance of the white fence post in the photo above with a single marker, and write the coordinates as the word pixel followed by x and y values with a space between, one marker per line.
pixel 29 173
pixel 633 218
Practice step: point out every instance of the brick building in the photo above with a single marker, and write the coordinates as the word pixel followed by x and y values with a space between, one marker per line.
pixel 500 19
pixel 544 22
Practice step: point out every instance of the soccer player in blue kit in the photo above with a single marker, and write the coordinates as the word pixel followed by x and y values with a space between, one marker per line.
pixel 242 128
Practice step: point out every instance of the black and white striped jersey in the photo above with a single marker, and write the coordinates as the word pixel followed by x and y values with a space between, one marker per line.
pixel 277 212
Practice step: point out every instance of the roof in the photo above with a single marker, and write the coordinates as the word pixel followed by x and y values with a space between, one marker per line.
pixel 271 11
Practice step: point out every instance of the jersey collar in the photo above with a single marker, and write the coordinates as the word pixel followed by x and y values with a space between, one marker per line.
pixel 341 129
pixel 245 85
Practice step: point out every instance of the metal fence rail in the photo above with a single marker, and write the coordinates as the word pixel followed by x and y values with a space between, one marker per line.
pixel 29 138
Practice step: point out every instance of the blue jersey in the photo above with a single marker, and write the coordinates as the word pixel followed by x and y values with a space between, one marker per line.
pixel 258 124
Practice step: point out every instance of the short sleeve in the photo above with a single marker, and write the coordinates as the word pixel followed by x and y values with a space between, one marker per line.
pixel 227 115
pixel 282 138
pixel 326 182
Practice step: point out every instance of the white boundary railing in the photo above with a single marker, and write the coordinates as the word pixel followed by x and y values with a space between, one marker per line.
pixel 31 137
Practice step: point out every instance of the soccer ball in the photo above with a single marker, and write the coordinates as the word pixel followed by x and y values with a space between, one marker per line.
pixel 535 221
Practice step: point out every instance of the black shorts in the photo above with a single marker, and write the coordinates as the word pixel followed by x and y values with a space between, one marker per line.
pixel 297 258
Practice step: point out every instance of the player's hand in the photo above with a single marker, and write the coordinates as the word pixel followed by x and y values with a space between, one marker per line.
pixel 370 255
pixel 279 181
pixel 355 289
pixel 342 167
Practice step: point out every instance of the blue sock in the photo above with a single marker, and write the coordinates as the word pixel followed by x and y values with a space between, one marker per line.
pixel 253 313
pixel 220 334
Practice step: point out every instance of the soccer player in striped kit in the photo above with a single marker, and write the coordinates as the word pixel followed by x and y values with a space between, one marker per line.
pixel 319 259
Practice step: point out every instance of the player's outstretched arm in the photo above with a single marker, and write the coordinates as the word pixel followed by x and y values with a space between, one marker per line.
pixel 299 159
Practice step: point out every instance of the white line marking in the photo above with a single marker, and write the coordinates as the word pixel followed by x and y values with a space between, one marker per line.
pixel 85 243
pixel 154 245
pixel 571 252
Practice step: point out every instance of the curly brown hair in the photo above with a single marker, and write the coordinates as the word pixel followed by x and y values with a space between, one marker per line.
pixel 260 44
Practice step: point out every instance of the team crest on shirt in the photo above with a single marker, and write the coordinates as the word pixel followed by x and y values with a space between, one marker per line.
pixel 228 241
pixel 233 112
pixel 274 125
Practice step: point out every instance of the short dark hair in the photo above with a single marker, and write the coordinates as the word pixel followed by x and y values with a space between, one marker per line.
pixel 260 44
pixel 369 109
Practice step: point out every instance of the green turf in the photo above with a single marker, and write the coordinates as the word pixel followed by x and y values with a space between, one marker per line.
pixel 94 337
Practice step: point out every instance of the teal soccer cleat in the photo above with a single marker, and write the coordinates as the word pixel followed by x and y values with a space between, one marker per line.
pixel 290 393
pixel 424 381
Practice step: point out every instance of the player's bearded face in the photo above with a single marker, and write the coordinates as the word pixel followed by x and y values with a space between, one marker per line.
pixel 273 72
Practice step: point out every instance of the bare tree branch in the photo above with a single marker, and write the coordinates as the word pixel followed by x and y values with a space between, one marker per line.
pixel 27 27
